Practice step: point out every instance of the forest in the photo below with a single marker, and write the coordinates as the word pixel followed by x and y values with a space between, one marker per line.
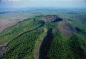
pixel 21 39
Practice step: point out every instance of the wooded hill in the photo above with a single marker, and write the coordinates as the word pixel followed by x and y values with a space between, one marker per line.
pixel 44 37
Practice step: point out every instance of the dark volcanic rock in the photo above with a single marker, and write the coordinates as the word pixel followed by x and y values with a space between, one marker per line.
pixel 51 18
pixel 66 28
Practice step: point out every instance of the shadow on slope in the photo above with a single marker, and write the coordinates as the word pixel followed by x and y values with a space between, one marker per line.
pixel 45 45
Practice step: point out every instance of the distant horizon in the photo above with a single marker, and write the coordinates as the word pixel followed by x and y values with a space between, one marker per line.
pixel 36 8
pixel 44 4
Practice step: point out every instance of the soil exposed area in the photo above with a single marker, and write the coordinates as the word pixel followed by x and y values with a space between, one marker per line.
pixel 66 28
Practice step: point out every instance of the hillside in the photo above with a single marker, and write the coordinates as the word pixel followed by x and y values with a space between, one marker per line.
pixel 43 37
pixel 66 28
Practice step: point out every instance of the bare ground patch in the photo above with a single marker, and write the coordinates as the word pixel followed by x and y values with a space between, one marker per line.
pixel 7 25
pixel 9 22
pixel 66 28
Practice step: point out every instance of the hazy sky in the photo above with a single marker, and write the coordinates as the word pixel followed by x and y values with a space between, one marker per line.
pixel 42 3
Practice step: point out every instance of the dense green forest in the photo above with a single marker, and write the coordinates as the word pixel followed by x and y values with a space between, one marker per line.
pixel 21 39
pixel 63 47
